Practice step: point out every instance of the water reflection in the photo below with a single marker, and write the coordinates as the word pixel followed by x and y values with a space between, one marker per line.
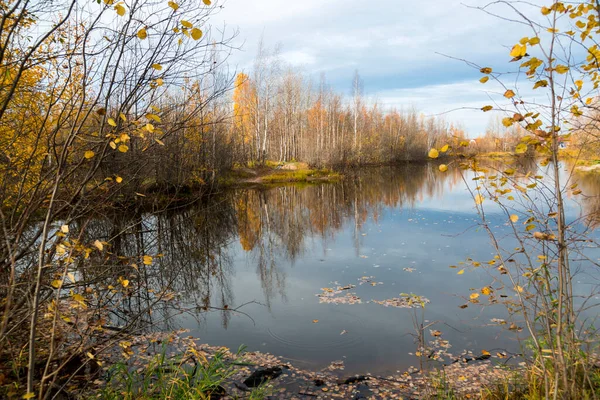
pixel 278 247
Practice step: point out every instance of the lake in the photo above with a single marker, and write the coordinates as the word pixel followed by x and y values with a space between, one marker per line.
pixel 268 253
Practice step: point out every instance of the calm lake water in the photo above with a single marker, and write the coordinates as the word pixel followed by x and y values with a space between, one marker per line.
pixel 273 250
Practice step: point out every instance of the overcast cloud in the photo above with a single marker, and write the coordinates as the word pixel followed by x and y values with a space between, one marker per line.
pixel 392 43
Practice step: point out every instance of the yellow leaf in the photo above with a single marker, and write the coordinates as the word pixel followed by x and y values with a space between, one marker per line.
pixel 120 9
pixel 509 94
pixel 113 145
pixel 473 296
pixel 486 108
pixel 196 33
pixel 173 5
pixel 521 148
pixel 478 199
pixel 207 2
pixel 486 70
pixel 159 81
pixel 545 11
pixel 142 34
pixel 484 79
pixel 186 24
pixel 157 67
pixel 315 321
pixel 579 84
pixel 486 291
pixel 159 142
pixel 530 227
pixel 561 69
pixel 443 168
pixel 534 41
pixel 147 260
pixel 514 218
pixel 462 271
pixel 518 50
pixel 56 283
pixel 519 289
pixel 507 122
pixel 150 127
pixel 64 229
pixel 444 148
pixel 99 245
pixel 29 395
pixel 125 282
pixel 123 148
pixel 119 179
pixel 78 297
pixel 111 122
pixel 433 153
pixel 89 154
pixel 153 117
pixel 541 83
pixel 485 353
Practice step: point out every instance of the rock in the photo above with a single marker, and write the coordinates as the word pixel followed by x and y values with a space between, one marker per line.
pixel 354 379
pixel 261 376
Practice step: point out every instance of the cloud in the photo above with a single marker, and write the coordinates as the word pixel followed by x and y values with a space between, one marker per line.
pixel 394 44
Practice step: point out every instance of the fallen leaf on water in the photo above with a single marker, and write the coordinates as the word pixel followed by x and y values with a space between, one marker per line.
pixel 315 321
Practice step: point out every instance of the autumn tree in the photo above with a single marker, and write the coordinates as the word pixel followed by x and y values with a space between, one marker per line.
pixel 559 59
pixel 85 90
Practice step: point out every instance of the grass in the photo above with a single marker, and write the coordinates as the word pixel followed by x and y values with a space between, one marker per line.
pixel 185 377
pixel 273 172
pixel 301 175
pixel 497 154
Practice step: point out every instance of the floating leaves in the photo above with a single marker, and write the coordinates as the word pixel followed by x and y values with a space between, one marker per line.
pixel 330 296
pixel 404 301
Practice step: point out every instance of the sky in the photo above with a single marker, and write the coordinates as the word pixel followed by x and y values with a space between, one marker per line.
pixel 394 44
